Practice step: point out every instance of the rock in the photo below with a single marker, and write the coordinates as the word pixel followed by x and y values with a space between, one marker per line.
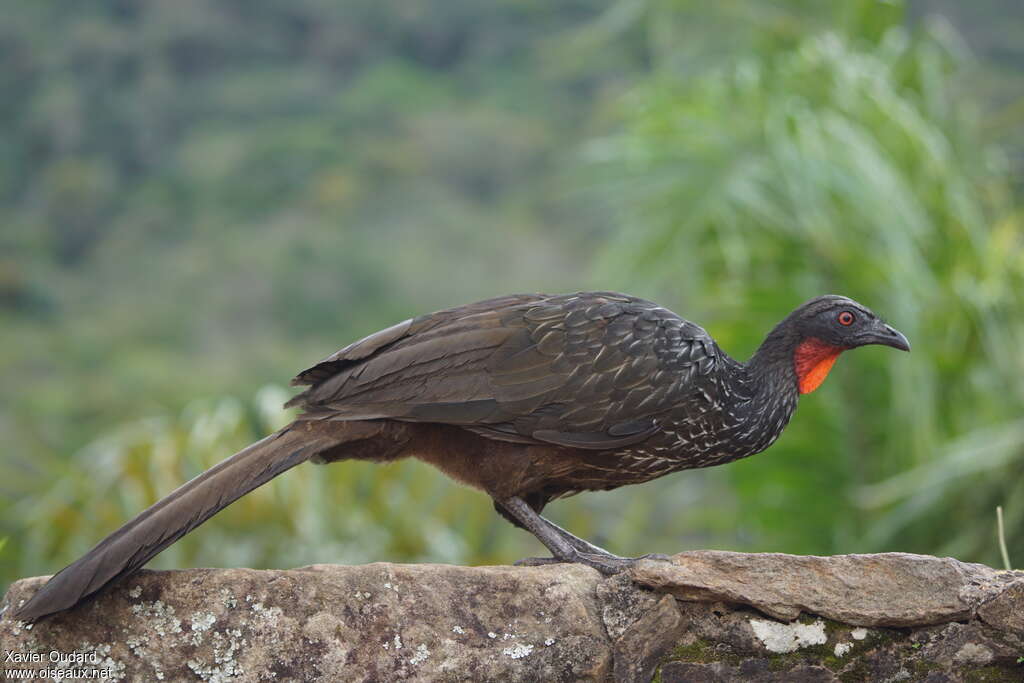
pixel 1004 611
pixel 641 647
pixel 333 623
pixel 685 672
pixel 888 589
pixel 552 623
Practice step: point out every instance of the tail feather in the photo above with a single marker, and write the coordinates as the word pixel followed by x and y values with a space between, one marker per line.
pixel 130 547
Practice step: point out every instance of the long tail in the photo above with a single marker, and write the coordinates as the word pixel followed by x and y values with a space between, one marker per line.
pixel 160 525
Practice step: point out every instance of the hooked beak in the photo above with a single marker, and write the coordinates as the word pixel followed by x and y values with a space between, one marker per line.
pixel 883 334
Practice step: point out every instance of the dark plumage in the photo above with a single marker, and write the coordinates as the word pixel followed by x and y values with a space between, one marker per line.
pixel 527 397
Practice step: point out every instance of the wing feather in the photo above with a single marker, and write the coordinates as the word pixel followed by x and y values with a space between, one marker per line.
pixel 585 370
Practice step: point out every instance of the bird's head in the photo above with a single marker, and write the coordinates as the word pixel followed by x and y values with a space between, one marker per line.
pixel 818 331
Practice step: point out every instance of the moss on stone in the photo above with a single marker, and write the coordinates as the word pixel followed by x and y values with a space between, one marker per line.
pixel 923 666
pixel 697 651
pixel 994 674
pixel 835 663
pixel 856 672
pixel 702 652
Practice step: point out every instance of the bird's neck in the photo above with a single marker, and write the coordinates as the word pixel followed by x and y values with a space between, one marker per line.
pixel 771 389
pixel 785 359
pixel 773 368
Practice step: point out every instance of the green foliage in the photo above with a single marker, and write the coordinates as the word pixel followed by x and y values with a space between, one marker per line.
pixel 348 513
pixel 842 160
pixel 199 198
pixel 176 180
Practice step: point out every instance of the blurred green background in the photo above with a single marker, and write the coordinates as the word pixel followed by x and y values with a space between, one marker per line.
pixel 198 199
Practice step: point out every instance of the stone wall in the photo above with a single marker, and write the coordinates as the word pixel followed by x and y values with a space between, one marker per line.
pixel 707 616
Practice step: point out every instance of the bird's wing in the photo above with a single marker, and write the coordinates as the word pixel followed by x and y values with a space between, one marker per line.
pixel 586 370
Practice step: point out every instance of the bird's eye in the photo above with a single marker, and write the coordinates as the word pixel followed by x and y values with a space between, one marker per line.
pixel 845 318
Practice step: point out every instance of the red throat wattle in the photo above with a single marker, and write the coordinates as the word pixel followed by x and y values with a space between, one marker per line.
pixel 813 359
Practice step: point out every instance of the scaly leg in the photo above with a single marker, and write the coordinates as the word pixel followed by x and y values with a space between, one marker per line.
pixel 563 545
pixel 580 544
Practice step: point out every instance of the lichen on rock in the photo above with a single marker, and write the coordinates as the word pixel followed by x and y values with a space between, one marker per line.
pixel 704 616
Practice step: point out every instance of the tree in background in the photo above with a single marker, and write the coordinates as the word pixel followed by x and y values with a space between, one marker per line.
pixel 198 198
pixel 827 150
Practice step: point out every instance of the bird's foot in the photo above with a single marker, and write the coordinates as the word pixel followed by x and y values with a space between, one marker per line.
pixel 657 557
pixel 607 564
pixel 538 561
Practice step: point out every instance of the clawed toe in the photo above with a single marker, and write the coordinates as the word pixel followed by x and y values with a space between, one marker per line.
pixel 607 564
pixel 658 557
pixel 537 561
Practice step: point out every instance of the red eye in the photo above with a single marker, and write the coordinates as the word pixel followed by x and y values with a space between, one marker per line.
pixel 845 318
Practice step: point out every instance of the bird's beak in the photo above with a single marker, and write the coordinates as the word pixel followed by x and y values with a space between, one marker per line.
pixel 883 334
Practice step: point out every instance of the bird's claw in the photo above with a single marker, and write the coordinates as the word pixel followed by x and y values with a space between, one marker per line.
pixel 537 561
pixel 657 557
pixel 606 564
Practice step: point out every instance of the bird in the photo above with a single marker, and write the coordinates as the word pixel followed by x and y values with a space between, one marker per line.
pixel 527 397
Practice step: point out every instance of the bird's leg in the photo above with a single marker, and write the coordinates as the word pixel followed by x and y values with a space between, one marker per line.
pixel 576 542
pixel 564 546
pixel 587 547
pixel 543 530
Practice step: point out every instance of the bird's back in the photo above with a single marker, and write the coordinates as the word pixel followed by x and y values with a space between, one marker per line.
pixel 597 371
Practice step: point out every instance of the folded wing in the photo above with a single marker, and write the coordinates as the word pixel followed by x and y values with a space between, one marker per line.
pixel 586 370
